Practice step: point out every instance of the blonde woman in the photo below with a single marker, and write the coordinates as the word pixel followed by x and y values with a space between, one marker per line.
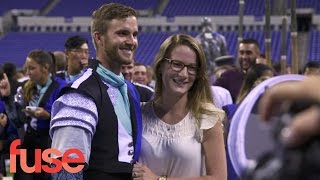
pixel 182 129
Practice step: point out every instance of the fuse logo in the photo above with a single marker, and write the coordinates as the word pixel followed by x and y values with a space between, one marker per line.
pixel 45 156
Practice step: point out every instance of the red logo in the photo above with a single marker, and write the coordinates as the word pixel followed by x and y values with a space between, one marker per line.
pixel 45 156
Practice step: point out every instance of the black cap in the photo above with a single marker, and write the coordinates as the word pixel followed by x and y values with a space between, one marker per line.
pixel 224 60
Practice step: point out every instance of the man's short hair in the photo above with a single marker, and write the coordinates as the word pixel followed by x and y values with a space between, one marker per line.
pixel 311 64
pixel 250 41
pixel 107 12
pixel 75 42
pixel 139 64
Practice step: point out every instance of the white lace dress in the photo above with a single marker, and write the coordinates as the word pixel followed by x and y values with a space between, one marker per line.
pixel 173 150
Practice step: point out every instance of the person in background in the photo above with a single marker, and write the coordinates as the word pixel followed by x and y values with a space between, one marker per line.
pixel 127 71
pixel 305 124
pixel 99 113
pixel 15 125
pixel 140 73
pixel 213 43
pixel 77 53
pixel 223 63
pixel 150 77
pixel 11 110
pixel 145 92
pixel 40 91
pixel 4 91
pixel 248 52
pixel 8 130
pixel 181 125
pixel 11 70
pixel 61 61
pixel 311 68
pixel 255 75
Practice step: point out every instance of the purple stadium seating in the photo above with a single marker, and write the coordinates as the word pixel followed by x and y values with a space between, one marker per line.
pixel 308 4
pixel 70 8
pixel 314 46
pixel 15 46
pixel 6 5
pixel 209 7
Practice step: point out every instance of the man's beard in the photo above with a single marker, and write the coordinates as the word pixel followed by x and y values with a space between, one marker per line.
pixel 250 61
pixel 113 54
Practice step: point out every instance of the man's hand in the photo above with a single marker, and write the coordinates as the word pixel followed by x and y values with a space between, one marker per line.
pixel 5 88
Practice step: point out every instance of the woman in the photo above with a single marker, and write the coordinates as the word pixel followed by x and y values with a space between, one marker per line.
pixel 39 92
pixel 255 75
pixel 182 129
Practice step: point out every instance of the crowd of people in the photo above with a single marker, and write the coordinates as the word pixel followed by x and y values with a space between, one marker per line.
pixel 134 121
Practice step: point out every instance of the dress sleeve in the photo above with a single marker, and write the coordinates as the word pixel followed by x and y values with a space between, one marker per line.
pixel 210 120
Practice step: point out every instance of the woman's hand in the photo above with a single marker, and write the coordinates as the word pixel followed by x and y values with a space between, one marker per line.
pixel 39 112
pixel 142 172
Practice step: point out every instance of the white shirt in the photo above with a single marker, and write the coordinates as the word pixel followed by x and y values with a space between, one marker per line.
pixel 173 150
pixel 221 96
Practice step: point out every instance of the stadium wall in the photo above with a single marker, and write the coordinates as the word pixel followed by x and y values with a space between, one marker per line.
pixel 169 24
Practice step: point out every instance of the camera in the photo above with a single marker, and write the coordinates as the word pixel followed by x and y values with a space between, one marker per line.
pixel 285 163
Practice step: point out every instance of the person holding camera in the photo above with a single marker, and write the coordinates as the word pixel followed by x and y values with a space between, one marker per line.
pixel 293 108
pixel 305 124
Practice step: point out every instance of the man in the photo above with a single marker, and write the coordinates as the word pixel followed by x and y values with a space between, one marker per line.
pixel 99 113
pixel 61 61
pixel 77 53
pixel 145 92
pixel 140 73
pixel 213 43
pixel 248 52
pixel 312 68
